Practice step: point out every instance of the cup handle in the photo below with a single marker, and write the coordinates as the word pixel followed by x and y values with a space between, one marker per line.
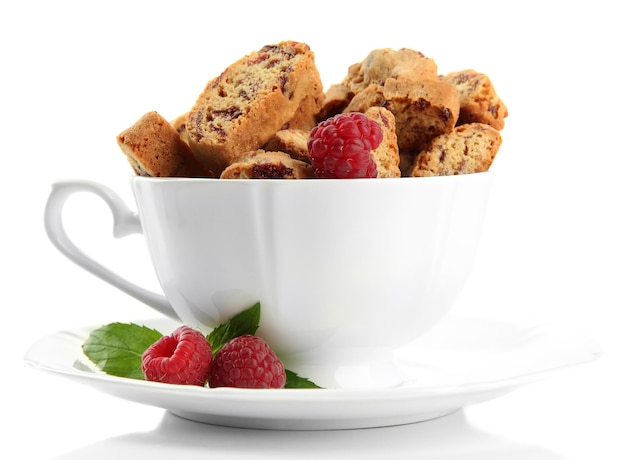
pixel 125 222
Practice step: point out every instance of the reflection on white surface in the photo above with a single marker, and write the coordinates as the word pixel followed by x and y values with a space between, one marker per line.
pixel 446 438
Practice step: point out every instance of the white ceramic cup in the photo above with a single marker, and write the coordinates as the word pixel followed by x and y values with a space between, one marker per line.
pixel 346 271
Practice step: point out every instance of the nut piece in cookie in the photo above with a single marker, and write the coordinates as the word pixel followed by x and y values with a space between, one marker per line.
pixel 470 148
pixel 478 98
pixel 386 155
pixel 260 164
pixel 154 148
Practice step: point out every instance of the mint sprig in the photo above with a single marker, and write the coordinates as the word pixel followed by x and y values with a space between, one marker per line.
pixel 245 322
pixel 295 381
pixel 116 348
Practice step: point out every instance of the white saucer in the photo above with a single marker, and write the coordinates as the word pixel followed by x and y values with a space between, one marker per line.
pixel 463 361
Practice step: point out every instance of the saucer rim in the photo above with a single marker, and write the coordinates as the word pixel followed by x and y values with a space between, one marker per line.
pixel 308 409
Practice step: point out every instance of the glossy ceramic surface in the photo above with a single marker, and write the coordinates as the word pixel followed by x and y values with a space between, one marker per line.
pixel 333 262
pixel 462 361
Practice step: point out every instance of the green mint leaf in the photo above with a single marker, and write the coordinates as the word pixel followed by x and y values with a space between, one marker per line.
pixel 245 322
pixel 295 381
pixel 116 348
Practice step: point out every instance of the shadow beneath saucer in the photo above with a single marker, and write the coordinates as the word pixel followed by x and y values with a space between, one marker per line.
pixel 447 438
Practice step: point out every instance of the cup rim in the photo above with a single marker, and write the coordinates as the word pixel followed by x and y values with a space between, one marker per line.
pixel 449 178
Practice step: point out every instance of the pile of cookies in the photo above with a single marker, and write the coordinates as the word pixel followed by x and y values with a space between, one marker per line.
pixel 253 120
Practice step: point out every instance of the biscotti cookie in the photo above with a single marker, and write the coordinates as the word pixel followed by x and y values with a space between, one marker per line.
pixel 470 148
pixel 376 68
pixel 386 155
pixel 268 165
pixel 422 109
pixel 154 148
pixel 381 64
pixel 479 102
pixel 291 141
pixel 240 110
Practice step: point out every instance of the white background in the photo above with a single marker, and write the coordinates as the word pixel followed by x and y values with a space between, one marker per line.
pixel 74 74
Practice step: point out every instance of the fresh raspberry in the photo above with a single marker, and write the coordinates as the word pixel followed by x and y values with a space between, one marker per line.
pixel 341 146
pixel 181 358
pixel 247 362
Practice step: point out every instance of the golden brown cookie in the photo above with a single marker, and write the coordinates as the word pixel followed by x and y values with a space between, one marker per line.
pixel 154 148
pixel 386 155
pixel 381 64
pixel 268 165
pixel 291 141
pixel 240 110
pixel 478 99
pixel 470 148
pixel 422 109
pixel 375 69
